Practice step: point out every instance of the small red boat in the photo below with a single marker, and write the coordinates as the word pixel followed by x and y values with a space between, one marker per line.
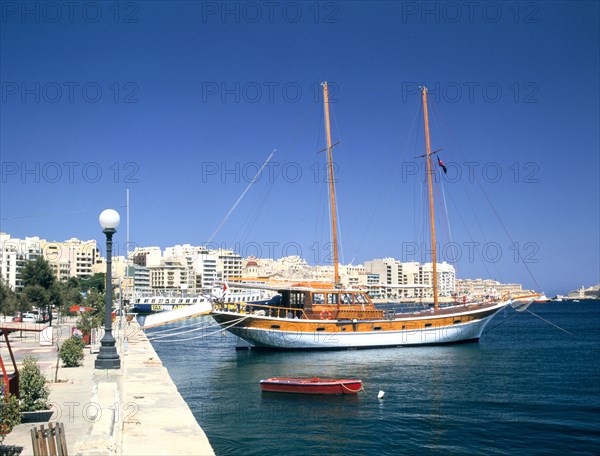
pixel 313 385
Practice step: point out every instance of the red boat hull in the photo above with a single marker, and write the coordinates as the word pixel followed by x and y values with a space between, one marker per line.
pixel 311 386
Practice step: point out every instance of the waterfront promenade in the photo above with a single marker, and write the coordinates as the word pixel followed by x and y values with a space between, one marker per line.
pixel 135 410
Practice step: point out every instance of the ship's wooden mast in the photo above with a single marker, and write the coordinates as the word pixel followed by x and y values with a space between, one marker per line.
pixel 431 211
pixel 336 275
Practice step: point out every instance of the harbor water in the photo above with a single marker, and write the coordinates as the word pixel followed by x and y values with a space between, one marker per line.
pixel 527 387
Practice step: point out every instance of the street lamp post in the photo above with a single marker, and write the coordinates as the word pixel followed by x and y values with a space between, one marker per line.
pixel 108 358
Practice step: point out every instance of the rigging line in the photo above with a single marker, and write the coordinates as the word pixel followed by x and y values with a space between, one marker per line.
pixel 391 172
pixel 550 323
pixel 420 227
pixel 339 226
pixel 177 333
pixel 241 196
pixel 500 324
pixel 453 261
pixel 332 111
pixel 153 333
pixel 330 223
pixel 459 150
pixel 260 203
pixel 320 212
pixel 442 210
pixel 481 231
pixel 317 174
pixel 225 328
pixel 441 185
pixel 250 219
pixel 508 234
pixel 438 119
pixel 457 211
pixel 50 214
pixel 183 332
pixel 445 226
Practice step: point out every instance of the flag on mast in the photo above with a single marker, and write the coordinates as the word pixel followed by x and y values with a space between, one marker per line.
pixel 441 163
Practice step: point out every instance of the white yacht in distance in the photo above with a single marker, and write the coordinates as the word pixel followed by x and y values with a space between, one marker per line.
pixel 164 303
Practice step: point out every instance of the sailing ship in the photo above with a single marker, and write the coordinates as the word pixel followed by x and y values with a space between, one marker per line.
pixel 317 315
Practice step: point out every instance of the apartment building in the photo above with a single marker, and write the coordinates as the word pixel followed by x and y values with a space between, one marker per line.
pixel 410 280
pixel 14 253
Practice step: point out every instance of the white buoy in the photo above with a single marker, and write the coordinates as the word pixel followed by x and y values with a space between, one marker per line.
pixel 380 394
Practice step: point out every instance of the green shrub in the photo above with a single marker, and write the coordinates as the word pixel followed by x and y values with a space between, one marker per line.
pixel 33 390
pixel 9 414
pixel 71 351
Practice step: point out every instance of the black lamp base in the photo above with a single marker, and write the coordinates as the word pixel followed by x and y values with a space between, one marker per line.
pixel 107 363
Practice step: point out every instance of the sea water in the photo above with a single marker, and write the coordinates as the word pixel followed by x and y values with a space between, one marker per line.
pixel 527 387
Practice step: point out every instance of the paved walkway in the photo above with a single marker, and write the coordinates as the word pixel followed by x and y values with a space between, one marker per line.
pixel 135 410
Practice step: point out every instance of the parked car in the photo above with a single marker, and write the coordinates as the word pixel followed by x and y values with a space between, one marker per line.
pixel 29 318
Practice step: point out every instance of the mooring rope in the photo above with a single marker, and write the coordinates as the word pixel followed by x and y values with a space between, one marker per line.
pixel 224 328
pixel 501 323
pixel 550 323
pixel 177 333
pixel 154 333
pixel 362 388
pixel 185 332
pixel 535 315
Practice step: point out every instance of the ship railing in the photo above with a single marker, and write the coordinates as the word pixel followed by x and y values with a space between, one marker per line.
pixel 260 310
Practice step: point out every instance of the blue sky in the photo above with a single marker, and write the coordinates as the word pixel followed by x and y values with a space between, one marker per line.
pixel 182 101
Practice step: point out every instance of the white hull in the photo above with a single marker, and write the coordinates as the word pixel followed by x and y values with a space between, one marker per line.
pixel 170 316
pixel 291 339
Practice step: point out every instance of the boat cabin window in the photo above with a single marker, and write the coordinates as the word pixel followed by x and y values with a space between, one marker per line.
pixel 346 298
pixel 318 298
pixel 360 298
pixel 296 299
pixel 332 298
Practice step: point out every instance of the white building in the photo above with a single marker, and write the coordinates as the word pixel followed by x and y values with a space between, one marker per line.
pixel 71 258
pixel 170 274
pixel 14 253
pixel 146 256
pixel 205 267
pixel 410 280
pixel 446 279
pixel 141 279
pixel 185 250
pixel 478 288
pixel 229 263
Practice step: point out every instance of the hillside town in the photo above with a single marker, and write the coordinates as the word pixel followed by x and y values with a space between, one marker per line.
pixel 187 270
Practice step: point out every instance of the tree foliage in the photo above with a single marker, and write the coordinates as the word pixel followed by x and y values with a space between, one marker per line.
pixel 32 386
pixel 35 296
pixel 96 282
pixel 10 414
pixel 40 286
pixel 71 351
pixel 42 290
pixel 9 301
pixel 95 317
pixel 71 295
pixel 38 272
